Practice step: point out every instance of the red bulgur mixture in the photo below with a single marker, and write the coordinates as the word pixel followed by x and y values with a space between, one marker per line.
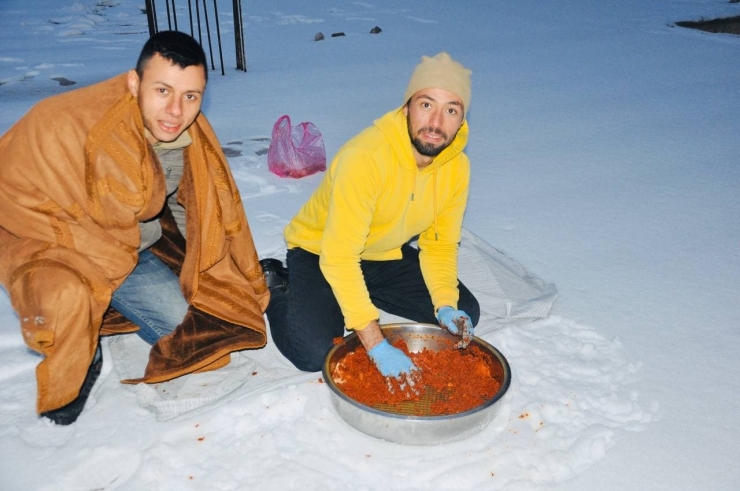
pixel 454 380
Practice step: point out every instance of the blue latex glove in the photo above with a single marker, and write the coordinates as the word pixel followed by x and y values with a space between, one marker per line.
pixel 451 318
pixel 391 362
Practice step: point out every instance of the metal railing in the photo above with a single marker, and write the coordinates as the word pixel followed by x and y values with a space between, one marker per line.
pixel 202 20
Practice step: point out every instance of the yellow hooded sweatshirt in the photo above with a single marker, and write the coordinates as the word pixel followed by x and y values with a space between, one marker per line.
pixel 372 200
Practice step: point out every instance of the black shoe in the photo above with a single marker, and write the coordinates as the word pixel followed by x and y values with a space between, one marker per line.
pixel 276 275
pixel 68 414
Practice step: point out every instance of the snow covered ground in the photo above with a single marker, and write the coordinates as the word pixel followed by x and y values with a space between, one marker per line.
pixel 605 159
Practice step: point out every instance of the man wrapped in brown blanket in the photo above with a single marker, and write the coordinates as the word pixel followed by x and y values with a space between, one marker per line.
pixel 96 182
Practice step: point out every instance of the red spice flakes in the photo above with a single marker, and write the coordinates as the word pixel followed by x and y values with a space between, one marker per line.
pixel 448 381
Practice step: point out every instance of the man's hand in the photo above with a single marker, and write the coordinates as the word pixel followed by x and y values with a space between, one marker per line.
pixel 391 362
pixel 455 321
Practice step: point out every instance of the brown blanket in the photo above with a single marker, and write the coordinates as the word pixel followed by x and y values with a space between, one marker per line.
pixel 76 177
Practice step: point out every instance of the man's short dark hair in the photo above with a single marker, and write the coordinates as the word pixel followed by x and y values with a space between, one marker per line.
pixel 179 48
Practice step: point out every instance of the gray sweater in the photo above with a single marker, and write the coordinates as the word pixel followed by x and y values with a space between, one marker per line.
pixel 171 159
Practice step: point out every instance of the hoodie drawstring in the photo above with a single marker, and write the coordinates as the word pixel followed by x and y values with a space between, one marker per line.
pixel 413 188
pixel 434 198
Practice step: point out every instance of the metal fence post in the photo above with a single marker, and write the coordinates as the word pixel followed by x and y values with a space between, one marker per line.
pixel 241 59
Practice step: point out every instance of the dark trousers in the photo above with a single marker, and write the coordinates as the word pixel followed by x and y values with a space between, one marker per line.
pixel 305 317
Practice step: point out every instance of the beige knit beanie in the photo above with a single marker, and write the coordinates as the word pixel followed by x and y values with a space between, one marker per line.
pixel 441 72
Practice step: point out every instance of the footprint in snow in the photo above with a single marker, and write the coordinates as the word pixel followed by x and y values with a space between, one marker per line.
pixel 101 468
pixel 64 82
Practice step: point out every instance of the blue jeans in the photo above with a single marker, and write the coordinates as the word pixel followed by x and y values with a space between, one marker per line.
pixel 151 298
pixel 305 317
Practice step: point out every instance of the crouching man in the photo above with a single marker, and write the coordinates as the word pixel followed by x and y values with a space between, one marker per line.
pixel 349 247
pixel 101 189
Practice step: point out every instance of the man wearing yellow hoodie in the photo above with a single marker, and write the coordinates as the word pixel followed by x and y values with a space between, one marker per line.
pixel 349 247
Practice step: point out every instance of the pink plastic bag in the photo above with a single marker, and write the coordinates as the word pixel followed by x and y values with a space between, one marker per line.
pixel 296 151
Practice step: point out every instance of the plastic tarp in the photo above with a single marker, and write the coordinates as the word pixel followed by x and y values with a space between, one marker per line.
pixel 508 294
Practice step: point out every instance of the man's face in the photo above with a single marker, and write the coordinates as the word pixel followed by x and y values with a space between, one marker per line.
pixel 169 97
pixel 434 117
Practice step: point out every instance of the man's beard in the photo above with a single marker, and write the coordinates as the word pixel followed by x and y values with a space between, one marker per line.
pixel 428 149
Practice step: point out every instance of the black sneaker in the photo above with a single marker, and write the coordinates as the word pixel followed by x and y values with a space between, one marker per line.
pixel 276 275
pixel 68 414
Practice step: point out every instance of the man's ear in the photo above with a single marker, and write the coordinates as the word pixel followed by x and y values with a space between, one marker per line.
pixel 133 82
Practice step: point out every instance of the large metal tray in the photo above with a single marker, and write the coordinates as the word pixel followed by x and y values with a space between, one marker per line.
pixel 405 425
